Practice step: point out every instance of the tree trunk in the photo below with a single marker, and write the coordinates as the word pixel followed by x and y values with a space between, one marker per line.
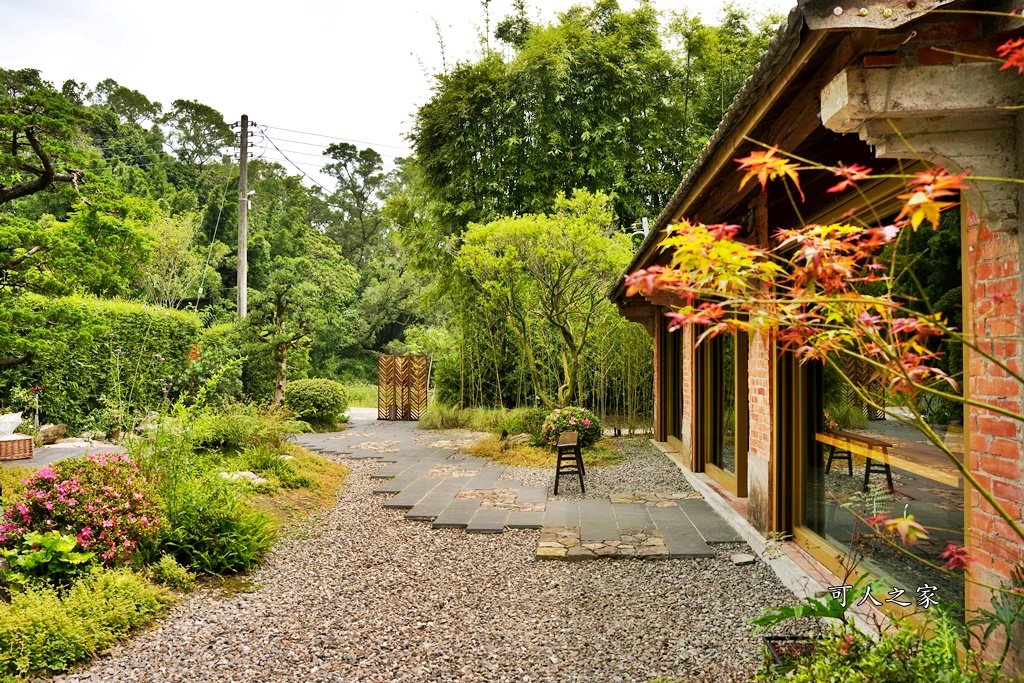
pixel 281 356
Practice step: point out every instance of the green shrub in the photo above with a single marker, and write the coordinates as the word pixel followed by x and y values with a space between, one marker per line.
pixel 316 400
pixel 908 653
pixel 12 481
pixel 101 358
pixel 46 559
pixel 237 426
pixel 524 421
pixel 43 633
pixel 572 419
pixel 213 529
pixel 167 572
pixel 269 461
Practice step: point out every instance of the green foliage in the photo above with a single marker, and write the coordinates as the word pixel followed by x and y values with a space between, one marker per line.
pixel 218 345
pixel 362 395
pixel 12 482
pixel 46 559
pixel 107 359
pixel 547 276
pixel 44 633
pixel 845 416
pixel 316 400
pixel 237 426
pixel 911 652
pixel 524 421
pixel 269 461
pixel 167 572
pixel 213 530
pixel 596 100
pixel 572 419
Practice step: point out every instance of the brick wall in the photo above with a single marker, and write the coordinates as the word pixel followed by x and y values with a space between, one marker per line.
pixel 759 388
pixel 994 450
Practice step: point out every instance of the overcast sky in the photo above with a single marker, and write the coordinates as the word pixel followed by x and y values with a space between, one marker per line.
pixel 339 68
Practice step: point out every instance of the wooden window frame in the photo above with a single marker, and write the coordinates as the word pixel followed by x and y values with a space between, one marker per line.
pixel 708 418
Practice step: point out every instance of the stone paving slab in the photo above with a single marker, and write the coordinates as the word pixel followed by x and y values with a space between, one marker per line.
pixel 488 522
pixel 524 519
pixel 678 532
pixel 487 478
pixel 412 474
pixel 395 468
pixel 457 514
pixel 532 494
pixel 709 523
pixel 412 494
pixel 434 503
pixel 632 516
pixel 597 520
pixel 561 513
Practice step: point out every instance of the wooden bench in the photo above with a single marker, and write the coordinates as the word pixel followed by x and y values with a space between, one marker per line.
pixel 871 448
pixel 570 458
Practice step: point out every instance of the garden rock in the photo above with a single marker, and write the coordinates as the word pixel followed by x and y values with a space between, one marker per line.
pixel 517 440
pixel 244 475
pixel 49 433
pixel 741 559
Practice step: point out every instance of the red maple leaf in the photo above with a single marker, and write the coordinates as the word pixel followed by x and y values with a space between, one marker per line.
pixel 852 175
pixel 1013 52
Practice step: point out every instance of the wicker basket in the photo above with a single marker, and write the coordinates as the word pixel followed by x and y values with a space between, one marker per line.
pixel 15 447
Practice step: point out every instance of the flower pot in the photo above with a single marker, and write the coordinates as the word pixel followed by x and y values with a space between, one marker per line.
pixel 785 649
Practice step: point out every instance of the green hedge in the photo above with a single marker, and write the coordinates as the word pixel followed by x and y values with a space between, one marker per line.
pixel 94 357
pixel 317 400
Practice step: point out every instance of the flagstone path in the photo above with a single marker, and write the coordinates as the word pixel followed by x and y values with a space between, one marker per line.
pixel 471 494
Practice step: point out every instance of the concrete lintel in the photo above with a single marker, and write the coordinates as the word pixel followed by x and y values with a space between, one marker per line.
pixel 959 116
pixel 858 95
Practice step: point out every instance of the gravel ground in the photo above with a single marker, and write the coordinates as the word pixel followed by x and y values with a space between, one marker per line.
pixel 360 594
pixel 643 469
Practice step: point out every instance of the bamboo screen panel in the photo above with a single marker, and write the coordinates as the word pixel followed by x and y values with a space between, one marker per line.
pixel 401 387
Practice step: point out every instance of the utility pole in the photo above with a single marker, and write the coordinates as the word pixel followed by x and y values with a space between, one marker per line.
pixel 243 215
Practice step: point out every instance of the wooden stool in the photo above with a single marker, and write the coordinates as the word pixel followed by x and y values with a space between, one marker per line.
pixel 570 458
pixel 881 468
pixel 833 454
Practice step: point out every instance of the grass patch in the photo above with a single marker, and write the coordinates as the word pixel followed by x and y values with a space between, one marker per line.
pixel 325 480
pixel 362 395
pixel 601 454
pixel 10 482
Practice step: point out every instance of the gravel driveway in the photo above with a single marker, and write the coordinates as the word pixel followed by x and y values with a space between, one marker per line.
pixel 361 594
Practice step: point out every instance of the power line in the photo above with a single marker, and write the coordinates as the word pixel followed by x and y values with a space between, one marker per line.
pixel 336 137
pixel 271 141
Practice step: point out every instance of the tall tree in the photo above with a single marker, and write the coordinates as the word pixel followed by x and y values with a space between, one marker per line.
pixel 197 132
pixel 355 221
pixel 37 130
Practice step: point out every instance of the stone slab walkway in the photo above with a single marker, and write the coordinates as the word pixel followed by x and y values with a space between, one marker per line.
pixel 424 480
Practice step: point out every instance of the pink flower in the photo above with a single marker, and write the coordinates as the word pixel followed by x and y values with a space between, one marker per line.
pixel 586 422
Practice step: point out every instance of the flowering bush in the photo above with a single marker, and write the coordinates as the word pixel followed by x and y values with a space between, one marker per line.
pixel 101 499
pixel 572 419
